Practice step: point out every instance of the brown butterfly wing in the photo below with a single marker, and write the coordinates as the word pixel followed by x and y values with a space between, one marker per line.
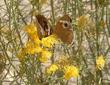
pixel 65 34
pixel 43 26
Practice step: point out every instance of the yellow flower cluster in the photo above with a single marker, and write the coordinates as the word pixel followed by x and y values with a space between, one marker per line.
pixel 33 34
pixel 83 21
pixel 31 48
pixel 68 70
pixel 35 45
pixel 53 68
pixel 45 55
pixel 100 62
pixel 71 71
pixel 31 30
pixel 49 41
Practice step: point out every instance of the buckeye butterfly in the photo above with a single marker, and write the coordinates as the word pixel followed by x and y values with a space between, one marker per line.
pixel 62 29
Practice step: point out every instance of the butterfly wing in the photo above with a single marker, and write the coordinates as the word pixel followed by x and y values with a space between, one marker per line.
pixel 63 29
pixel 43 26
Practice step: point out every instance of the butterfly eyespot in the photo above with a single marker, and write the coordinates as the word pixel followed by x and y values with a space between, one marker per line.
pixel 65 24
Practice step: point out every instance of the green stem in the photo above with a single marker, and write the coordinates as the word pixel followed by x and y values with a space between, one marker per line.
pixel 53 13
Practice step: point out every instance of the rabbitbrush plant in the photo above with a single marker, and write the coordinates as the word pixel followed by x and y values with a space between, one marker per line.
pixel 27 60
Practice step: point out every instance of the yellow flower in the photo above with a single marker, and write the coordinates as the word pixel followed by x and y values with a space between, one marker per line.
pixel 100 62
pixel 49 41
pixel 71 71
pixel 31 48
pixel 52 69
pixel 34 37
pixel 83 21
pixel 45 55
pixel 37 48
pixel 31 29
